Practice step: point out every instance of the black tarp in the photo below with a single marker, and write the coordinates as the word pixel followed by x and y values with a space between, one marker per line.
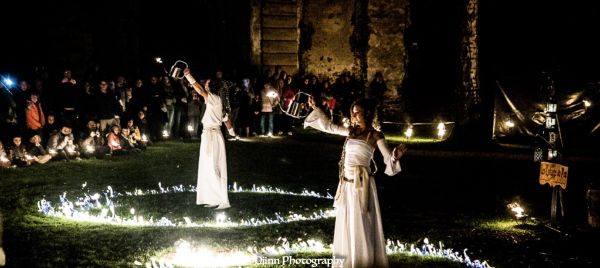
pixel 524 104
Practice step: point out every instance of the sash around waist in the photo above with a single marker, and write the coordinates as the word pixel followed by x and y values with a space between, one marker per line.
pixel 208 129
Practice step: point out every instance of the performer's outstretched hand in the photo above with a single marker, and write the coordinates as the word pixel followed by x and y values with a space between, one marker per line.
pixel 400 150
pixel 311 102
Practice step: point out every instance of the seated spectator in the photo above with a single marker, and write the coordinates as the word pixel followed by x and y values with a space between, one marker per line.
pixel 114 141
pixel 143 127
pixel 136 135
pixel 4 157
pixel 37 151
pixel 62 145
pixel 128 142
pixel 18 154
pixel 50 128
pixel 92 142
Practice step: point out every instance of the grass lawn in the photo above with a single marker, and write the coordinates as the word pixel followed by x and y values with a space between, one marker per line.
pixel 463 209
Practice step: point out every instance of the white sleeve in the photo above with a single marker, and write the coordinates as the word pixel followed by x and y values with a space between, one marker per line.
pixel 318 120
pixel 392 165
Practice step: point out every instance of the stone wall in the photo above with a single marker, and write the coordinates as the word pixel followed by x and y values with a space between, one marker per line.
pixel 325 30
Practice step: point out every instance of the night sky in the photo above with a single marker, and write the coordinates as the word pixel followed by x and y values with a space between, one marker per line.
pixel 517 38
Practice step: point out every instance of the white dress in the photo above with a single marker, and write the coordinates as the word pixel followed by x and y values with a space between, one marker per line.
pixel 212 163
pixel 358 236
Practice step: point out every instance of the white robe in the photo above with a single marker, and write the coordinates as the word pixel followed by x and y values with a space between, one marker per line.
pixel 358 236
pixel 212 163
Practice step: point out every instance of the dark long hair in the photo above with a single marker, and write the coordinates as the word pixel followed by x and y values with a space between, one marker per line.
pixel 369 111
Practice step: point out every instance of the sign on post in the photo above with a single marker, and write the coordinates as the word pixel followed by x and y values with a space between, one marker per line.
pixel 553 174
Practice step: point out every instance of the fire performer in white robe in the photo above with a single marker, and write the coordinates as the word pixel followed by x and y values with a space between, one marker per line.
pixel 358 237
pixel 212 164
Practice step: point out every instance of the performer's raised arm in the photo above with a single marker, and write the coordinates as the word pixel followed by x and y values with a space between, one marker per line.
pixel 317 119
pixel 203 91
pixel 391 158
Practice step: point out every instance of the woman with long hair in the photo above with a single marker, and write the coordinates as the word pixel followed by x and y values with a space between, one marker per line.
pixel 358 237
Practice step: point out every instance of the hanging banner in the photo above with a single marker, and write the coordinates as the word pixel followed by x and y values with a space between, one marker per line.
pixel 553 174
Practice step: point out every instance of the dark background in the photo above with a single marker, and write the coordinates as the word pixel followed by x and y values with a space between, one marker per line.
pixel 123 37
pixel 518 39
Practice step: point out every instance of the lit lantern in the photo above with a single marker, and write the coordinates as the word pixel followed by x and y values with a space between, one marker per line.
pixel 441 130
pixel 409 132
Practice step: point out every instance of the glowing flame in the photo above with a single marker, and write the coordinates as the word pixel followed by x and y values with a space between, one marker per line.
pixel 144 138
pixel 190 128
pixel 441 130
pixel 408 132
pixel 517 209
pixel 509 123
pixel 158 60
pixel 587 103
pixel 165 133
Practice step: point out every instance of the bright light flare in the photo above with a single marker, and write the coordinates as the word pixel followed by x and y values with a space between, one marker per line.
pixel 441 130
pixel 158 60
pixel 8 82
pixel 190 128
pixel 587 103
pixel 409 132
pixel 517 209
pixel 509 123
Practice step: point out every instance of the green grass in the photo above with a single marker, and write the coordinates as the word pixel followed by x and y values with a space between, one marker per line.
pixel 305 161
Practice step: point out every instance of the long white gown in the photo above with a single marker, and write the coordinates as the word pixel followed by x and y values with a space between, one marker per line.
pixel 212 163
pixel 358 236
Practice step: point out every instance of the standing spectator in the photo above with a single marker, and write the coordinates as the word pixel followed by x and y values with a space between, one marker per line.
pixel 194 114
pixel 8 114
pixel 269 98
pixel 34 115
pixel 107 107
pixel 67 97
pixel 245 98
